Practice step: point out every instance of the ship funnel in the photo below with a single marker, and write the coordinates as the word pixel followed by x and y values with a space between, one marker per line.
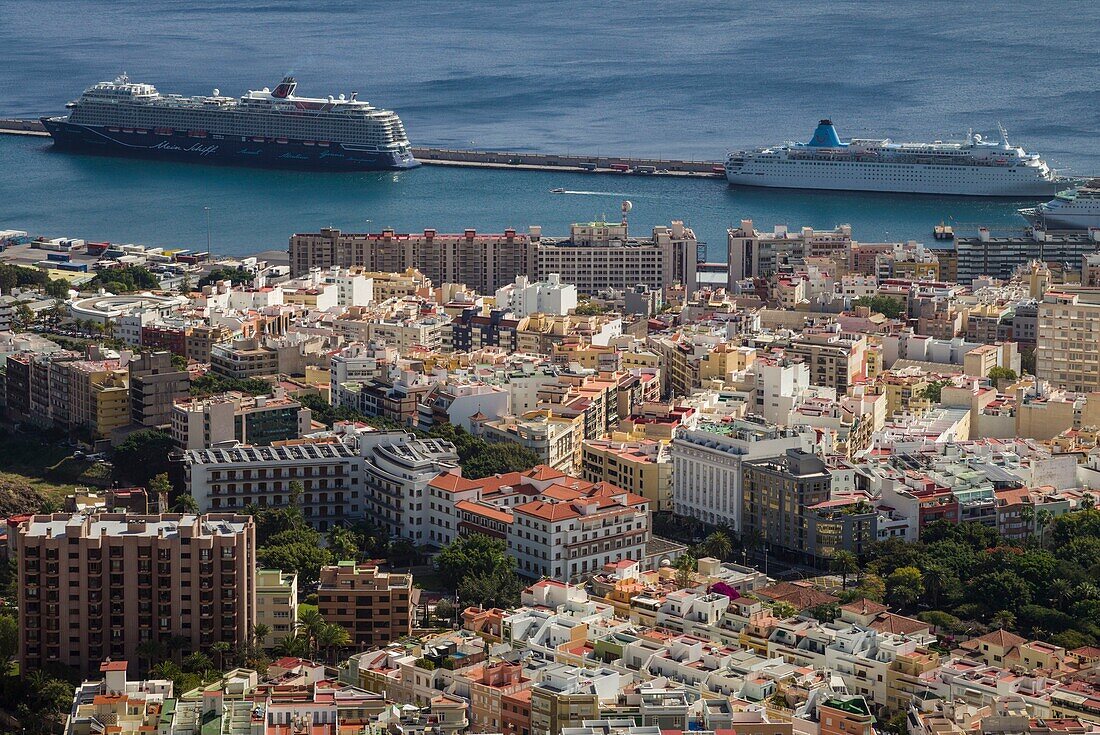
pixel 285 88
pixel 825 136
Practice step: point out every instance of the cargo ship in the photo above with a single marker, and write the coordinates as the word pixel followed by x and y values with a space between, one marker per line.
pixel 971 167
pixel 270 128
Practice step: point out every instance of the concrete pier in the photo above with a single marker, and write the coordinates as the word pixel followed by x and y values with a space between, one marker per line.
pixel 508 159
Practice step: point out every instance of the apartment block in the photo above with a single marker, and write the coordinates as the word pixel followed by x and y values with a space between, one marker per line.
pixel 276 604
pixel 155 386
pixel 707 465
pixel 752 253
pixel 374 607
pixel 595 256
pixel 777 497
pixel 640 467
pixel 484 262
pixel 201 423
pixel 1067 349
pixel 93 587
pixel 223 480
pixel 244 358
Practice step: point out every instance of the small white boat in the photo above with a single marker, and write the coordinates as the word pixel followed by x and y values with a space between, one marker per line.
pixel 558 190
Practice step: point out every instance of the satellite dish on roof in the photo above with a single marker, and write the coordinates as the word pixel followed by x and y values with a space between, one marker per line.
pixel 627 205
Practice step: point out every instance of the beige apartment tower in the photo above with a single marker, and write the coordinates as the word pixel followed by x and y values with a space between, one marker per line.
pixel 93 587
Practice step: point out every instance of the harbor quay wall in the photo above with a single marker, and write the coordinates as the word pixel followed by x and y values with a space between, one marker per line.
pixel 504 159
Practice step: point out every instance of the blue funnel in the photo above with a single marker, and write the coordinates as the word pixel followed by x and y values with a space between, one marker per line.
pixel 825 136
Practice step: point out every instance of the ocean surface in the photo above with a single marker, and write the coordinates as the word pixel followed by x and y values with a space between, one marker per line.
pixel 688 79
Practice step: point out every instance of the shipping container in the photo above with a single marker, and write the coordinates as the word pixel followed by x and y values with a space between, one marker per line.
pixel 59 257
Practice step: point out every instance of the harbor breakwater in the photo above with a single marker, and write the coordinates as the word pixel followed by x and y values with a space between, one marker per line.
pixel 507 159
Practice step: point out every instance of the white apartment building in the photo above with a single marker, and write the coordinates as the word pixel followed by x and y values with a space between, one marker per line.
pixel 276 604
pixel 396 474
pixel 570 538
pixel 780 386
pixel 706 465
pixel 360 363
pixel 540 297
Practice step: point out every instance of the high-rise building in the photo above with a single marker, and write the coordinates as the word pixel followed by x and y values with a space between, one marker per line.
pixel 777 496
pixel 595 256
pixel 93 587
pixel 374 607
pixel 155 385
pixel 1067 349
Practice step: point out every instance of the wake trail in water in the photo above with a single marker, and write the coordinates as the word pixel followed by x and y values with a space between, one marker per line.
pixel 604 194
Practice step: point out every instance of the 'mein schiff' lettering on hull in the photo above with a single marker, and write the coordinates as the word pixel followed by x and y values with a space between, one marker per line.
pixel 202 150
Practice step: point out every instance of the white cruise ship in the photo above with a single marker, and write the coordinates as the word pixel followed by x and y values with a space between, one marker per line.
pixel 972 167
pixel 1073 209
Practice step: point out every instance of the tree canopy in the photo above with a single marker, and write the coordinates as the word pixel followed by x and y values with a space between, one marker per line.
pixel 125 279
pixel 143 455
pixel 889 307
pixel 965 576
pixel 236 275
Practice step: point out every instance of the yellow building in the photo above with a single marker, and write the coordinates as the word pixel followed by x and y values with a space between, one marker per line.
pixel 643 468
pixel 111 393
pixel 725 359
pixel 905 391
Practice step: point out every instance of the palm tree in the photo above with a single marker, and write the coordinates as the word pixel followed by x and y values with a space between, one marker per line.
pixel 1003 620
pixel 292 645
pixel 309 626
pixel 220 648
pixel 1027 515
pixel 331 638
pixel 936 579
pixel 1061 592
pixel 717 545
pixel 1088 502
pixel 151 651
pixel 1043 519
pixel 260 632
pixel 845 563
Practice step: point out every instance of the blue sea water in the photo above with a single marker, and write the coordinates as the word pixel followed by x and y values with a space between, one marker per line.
pixel 687 79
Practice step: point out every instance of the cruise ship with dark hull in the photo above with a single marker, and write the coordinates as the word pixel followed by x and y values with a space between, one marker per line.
pixel 267 128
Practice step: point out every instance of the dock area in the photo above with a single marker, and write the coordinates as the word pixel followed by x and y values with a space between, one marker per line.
pixel 571 163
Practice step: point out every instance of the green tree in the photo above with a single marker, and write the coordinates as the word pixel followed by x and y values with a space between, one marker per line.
pixel 871 587
pixel 475 554
pixel 717 545
pixel 1003 619
pixel 904 586
pixel 998 373
pixel 143 455
pixel 330 639
pixel 9 638
pixel 57 288
pixel 1002 590
pixel 296 550
pixel 889 307
pixel 236 275
pixel 934 390
pixel 343 543
pixel 499 588
pixel 783 610
pixel 23 317
pixel 686 566
pixel 844 563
